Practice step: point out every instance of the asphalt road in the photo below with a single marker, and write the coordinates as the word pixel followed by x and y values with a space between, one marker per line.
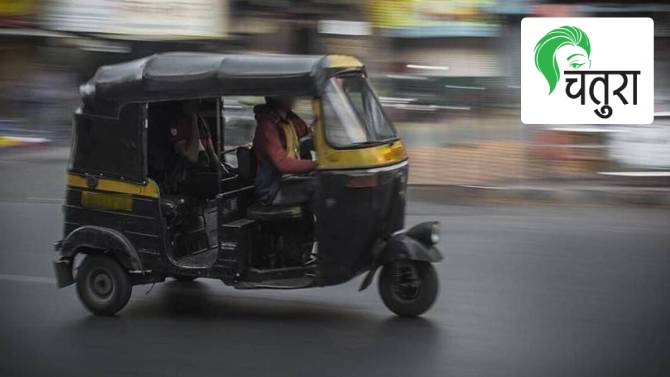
pixel 525 291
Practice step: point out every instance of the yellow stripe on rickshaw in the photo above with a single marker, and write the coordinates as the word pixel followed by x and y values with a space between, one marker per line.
pixel 107 201
pixel 149 189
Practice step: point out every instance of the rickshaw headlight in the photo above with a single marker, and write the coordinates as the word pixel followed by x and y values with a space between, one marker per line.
pixel 435 233
pixel 428 233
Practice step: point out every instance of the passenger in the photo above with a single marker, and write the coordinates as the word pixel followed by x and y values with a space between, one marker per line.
pixel 195 172
pixel 277 147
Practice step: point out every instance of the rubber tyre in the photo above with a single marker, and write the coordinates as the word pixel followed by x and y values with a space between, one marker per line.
pixel 103 285
pixel 184 278
pixel 423 297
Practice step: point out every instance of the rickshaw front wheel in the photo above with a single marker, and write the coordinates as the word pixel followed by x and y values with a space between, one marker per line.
pixel 408 288
pixel 103 285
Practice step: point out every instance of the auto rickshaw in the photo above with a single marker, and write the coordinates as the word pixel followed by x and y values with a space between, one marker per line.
pixel 121 228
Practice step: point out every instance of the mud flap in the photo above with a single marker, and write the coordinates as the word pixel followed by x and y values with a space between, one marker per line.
pixel 63 270
pixel 400 246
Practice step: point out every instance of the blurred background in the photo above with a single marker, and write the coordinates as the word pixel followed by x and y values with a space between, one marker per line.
pixel 528 289
pixel 448 73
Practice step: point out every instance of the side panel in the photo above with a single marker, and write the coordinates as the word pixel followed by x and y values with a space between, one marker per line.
pixel 136 216
pixel 353 209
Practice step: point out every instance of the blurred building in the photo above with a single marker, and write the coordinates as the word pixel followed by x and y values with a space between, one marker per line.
pixel 448 71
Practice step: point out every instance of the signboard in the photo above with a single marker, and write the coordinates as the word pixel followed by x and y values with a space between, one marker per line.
pixel 434 18
pixel 149 19
pixel 16 12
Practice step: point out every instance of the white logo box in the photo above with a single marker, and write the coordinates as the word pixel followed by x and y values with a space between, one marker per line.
pixel 616 44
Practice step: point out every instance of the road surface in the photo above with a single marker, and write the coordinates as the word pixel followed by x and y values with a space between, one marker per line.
pixel 525 291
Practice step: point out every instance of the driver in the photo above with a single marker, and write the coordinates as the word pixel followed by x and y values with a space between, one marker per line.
pixel 277 147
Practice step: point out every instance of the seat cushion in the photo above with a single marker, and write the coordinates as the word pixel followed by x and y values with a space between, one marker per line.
pixel 273 212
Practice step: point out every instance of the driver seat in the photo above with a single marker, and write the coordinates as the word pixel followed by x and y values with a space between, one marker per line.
pixel 247 164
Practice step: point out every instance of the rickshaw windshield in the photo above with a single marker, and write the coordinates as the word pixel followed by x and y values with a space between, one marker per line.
pixel 352 114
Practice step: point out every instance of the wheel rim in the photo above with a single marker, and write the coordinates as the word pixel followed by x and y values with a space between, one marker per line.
pixel 101 284
pixel 406 283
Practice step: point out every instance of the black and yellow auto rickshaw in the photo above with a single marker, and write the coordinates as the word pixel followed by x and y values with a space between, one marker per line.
pixel 123 229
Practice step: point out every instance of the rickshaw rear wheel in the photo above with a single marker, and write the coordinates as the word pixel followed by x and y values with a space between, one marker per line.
pixel 408 288
pixel 103 285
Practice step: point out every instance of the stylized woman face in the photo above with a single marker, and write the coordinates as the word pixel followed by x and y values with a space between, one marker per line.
pixel 571 57
pixel 563 49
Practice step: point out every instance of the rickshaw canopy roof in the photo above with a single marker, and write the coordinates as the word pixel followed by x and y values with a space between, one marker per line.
pixel 190 75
